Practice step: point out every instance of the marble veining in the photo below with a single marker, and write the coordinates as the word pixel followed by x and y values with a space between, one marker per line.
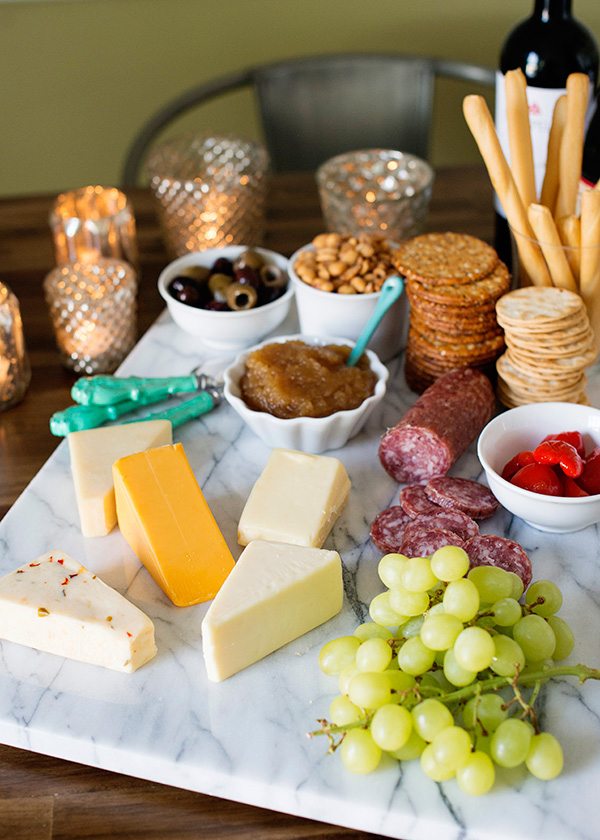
pixel 244 739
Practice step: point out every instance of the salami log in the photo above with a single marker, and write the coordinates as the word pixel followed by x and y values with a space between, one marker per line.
pixel 449 520
pixel 488 550
pixel 424 543
pixel 414 500
pixel 474 499
pixel 438 428
pixel 387 529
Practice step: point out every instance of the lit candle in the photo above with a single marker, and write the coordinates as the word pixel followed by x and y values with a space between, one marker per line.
pixel 91 223
pixel 93 309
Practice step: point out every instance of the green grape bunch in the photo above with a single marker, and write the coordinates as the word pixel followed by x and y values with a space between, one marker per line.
pixel 448 671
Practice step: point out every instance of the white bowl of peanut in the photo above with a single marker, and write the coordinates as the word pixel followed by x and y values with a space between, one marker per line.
pixel 336 280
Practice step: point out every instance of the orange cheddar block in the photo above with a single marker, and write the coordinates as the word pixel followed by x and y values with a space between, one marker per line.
pixel 164 517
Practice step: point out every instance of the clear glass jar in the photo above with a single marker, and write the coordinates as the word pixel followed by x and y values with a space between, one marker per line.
pixel 15 370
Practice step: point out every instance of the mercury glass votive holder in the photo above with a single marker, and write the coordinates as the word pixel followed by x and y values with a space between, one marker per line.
pixel 211 191
pixel 93 309
pixel 379 191
pixel 93 222
pixel 15 369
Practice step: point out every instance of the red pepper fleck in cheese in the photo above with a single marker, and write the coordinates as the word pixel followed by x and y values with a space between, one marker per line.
pixel 166 520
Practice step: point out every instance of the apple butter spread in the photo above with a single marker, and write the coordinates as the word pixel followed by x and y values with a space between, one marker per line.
pixel 295 379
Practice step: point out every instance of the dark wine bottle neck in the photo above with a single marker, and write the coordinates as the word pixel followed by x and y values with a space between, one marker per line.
pixel 552 9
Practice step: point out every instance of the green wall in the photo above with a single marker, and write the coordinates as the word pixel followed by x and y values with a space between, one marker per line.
pixel 80 77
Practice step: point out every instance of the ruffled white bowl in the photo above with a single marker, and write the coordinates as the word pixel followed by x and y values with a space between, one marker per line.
pixel 307 434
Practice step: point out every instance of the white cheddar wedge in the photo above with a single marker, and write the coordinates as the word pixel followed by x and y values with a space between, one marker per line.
pixel 275 593
pixel 296 499
pixel 56 605
pixel 93 452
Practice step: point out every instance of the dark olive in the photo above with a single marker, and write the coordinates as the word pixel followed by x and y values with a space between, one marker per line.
pixel 249 258
pixel 247 275
pixel 267 294
pixel 216 306
pixel 241 296
pixel 186 290
pixel 222 266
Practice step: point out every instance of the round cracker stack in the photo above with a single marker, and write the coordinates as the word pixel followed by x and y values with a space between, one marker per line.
pixel 453 281
pixel 549 344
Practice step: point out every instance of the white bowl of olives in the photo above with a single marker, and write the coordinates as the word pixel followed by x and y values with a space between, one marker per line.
pixel 229 298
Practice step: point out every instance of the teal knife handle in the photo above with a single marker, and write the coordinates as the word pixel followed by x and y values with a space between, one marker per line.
pixel 110 390
pixel 79 417
pixel 188 410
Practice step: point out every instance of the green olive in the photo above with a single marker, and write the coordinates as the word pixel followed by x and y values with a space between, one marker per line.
pixel 218 285
pixel 249 258
pixel 272 277
pixel 196 272
pixel 241 296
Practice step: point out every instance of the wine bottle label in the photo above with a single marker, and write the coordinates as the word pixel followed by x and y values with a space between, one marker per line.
pixel 541 102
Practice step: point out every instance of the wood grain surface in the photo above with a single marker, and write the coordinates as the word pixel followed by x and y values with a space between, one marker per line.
pixel 43 798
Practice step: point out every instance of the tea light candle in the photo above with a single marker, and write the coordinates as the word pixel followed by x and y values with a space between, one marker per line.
pixel 15 370
pixel 93 310
pixel 93 222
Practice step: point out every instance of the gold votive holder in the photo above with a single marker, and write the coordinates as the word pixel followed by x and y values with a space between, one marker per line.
pixel 380 191
pixel 211 191
pixel 94 313
pixel 15 369
pixel 93 222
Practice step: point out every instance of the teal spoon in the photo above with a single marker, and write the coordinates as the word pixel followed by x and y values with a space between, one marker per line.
pixel 390 292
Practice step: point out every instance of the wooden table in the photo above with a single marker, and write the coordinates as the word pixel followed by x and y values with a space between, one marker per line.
pixel 43 798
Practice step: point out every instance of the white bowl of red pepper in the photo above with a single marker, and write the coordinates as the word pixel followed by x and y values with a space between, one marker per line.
pixel 229 298
pixel 542 462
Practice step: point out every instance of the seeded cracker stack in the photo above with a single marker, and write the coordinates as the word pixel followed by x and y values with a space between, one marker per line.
pixel 453 282
pixel 549 344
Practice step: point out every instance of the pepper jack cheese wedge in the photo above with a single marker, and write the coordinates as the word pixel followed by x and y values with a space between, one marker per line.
pixel 165 519
pixel 56 605
pixel 93 452
pixel 276 593
pixel 296 499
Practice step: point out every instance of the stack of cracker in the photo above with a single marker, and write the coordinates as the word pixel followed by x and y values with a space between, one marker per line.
pixel 549 344
pixel 452 282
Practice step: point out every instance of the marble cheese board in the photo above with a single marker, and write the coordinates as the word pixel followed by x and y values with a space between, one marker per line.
pixel 244 739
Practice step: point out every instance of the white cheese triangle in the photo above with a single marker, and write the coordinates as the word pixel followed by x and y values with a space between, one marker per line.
pixel 93 452
pixel 56 605
pixel 275 593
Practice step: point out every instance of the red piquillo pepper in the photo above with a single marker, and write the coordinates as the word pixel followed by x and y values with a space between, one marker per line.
pixel 562 453
pixel 558 466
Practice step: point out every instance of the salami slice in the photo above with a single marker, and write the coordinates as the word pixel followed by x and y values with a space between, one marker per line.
pixel 488 550
pixel 387 529
pixel 424 543
pixel 474 499
pixel 449 520
pixel 439 427
pixel 414 500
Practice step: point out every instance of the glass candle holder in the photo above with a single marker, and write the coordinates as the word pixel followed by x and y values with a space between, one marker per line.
pixel 94 313
pixel 15 369
pixel 211 191
pixel 380 191
pixel 93 222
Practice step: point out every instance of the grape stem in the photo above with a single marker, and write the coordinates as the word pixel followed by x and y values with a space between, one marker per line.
pixel 532 678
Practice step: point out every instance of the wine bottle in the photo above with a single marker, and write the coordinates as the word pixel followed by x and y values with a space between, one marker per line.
pixel 590 165
pixel 547 46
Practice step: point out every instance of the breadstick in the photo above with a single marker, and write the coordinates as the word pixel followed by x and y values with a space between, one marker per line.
pixel 550 183
pixel 571 147
pixel 569 231
pixel 546 233
pixel 519 135
pixel 481 124
pixel 590 257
